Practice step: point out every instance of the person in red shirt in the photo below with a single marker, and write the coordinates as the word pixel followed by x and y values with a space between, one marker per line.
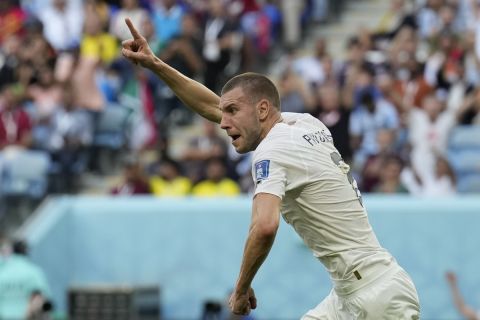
pixel 134 181
pixel 15 124
pixel 12 18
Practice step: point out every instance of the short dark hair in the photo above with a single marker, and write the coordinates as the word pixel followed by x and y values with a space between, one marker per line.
pixel 255 86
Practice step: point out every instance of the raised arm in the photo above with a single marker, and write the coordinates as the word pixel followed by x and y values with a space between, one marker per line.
pixel 464 309
pixel 192 93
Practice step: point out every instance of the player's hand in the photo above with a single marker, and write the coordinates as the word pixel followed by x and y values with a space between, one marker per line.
pixel 451 277
pixel 242 304
pixel 137 49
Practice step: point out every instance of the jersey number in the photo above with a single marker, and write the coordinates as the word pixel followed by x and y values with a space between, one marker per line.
pixel 337 159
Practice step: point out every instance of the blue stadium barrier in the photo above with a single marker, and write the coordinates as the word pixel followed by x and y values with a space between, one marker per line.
pixel 192 249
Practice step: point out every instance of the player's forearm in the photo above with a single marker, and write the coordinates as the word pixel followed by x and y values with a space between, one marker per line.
pixel 194 94
pixel 256 250
pixel 462 307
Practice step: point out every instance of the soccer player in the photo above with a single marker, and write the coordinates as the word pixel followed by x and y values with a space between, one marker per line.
pixel 299 173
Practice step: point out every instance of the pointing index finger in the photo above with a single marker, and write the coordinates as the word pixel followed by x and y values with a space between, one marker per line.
pixel 133 31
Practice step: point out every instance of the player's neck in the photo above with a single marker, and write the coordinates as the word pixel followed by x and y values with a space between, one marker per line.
pixel 270 123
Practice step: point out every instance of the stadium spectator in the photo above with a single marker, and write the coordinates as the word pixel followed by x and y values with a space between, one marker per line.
pixel 201 149
pixel 398 16
pixel 168 182
pixel 295 94
pixel 336 117
pixel 375 163
pixel 429 21
pixel 292 21
pixel 167 19
pixel 389 179
pixel 15 124
pixel 19 280
pixel 429 128
pixel 66 135
pixel 45 94
pixel 310 67
pixel 96 43
pixel 184 53
pixel 62 24
pixel 12 19
pixel 219 38
pixel 129 9
pixel 439 183
pixel 216 183
pixel 463 308
pixel 134 181
pixel 365 122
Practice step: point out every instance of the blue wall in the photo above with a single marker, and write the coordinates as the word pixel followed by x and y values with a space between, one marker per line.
pixel 192 249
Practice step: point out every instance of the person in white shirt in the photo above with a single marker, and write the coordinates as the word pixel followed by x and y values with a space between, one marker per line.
pixel 299 173
pixel 62 24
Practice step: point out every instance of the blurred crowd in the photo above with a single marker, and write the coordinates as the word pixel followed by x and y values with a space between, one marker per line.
pixel 390 100
pixel 70 104
pixel 391 103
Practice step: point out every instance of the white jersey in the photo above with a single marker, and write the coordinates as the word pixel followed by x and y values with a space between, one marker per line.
pixel 298 162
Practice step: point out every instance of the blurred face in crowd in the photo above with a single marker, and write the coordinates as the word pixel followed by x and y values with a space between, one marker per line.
pixel 385 139
pixel 168 171
pixel 355 52
pixel 45 76
pixel 169 3
pixel 432 106
pixel 59 4
pixel 385 83
pixel 447 14
pixel 9 99
pixel 329 98
pixel 209 128
pixel 129 4
pixel 397 5
pixel 215 170
pixel 216 8
pixel 93 24
pixel 132 172
pixel 320 47
pixel 288 82
pixel 189 25
pixel 434 4
pixel 240 119
pixel 392 167
pixel 147 28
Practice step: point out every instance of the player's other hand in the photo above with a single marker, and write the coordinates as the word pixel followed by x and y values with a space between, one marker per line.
pixel 243 303
pixel 137 49
pixel 451 277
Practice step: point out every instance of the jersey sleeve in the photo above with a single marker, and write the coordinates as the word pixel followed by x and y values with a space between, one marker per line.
pixel 269 173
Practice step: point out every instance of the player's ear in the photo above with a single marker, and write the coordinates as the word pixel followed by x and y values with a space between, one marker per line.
pixel 263 108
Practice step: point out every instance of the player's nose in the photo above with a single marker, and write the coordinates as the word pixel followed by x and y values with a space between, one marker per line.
pixel 225 123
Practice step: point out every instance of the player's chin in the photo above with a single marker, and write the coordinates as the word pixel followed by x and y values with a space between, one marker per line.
pixel 241 149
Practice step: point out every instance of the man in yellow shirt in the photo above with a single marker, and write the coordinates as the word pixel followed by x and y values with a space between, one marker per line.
pixel 216 183
pixel 169 182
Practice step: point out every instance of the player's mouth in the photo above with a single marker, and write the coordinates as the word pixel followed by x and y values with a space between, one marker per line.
pixel 234 137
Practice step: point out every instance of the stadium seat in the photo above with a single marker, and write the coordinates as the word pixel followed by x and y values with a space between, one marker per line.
pixel 24 173
pixel 465 160
pixel 465 137
pixel 111 127
pixel 469 183
pixel 464 156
